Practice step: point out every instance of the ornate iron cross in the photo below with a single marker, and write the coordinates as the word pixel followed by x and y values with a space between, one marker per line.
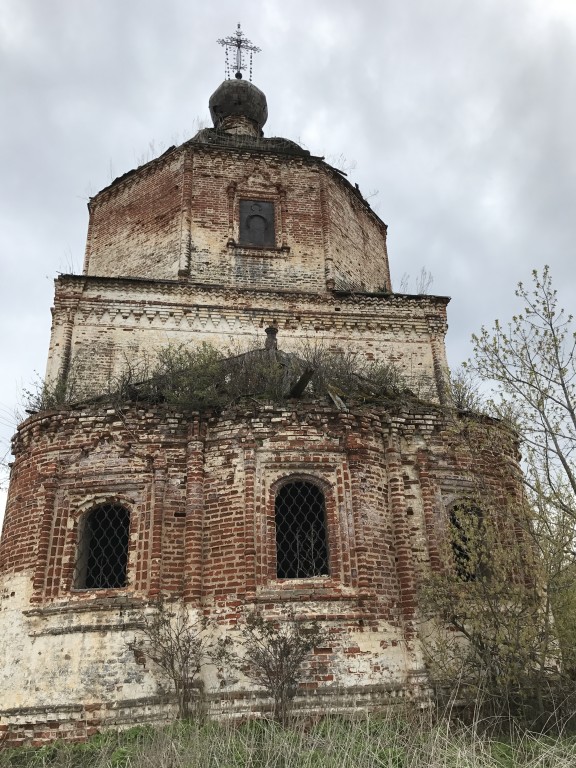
pixel 235 46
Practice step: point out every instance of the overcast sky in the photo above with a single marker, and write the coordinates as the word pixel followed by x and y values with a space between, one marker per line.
pixel 456 117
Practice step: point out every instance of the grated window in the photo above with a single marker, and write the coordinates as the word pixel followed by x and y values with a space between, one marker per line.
pixel 301 541
pixel 103 548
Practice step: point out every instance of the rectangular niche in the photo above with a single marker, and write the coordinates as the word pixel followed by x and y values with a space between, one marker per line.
pixel 257 224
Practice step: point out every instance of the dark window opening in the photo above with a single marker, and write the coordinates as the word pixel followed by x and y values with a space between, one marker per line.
pixel 103 548
pixel 301 542
pixel 257 224
pixel 468 541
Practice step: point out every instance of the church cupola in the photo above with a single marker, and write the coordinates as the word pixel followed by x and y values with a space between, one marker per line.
pixel 238 107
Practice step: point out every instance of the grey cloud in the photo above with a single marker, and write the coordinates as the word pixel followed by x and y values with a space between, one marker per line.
pixel 461 115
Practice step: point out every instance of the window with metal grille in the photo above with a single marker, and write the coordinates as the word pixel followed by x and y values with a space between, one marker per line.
pixel 102 556
pixel 257 224
pixel 301 541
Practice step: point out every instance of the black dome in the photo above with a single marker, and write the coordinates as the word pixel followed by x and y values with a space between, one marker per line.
pixel 238 98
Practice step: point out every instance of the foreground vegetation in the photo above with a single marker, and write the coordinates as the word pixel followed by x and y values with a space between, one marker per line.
pixel 388 741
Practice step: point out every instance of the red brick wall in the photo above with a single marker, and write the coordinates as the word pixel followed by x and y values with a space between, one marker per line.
pixel 213 496
pixel 178 217
pixel 356 240
pixel 201 493
pixel 135 225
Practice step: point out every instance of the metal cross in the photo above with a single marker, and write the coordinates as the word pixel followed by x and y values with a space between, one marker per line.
pixel 236 45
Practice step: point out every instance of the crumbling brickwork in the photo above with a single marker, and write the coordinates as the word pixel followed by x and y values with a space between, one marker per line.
pixel 200 491
pixel 178 216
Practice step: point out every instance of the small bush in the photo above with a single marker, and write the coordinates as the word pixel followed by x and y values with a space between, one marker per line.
pixel 179 646
pixel 274 653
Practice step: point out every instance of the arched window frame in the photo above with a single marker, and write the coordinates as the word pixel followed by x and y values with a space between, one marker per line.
pixel 325 490
pixel 82 577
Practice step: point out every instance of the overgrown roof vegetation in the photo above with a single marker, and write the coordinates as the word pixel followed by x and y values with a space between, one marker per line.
pixel 201 377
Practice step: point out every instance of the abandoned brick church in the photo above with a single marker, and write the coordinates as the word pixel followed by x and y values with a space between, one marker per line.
pixel 239 241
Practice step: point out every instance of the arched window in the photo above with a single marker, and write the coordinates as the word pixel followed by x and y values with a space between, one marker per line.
pixel 103 548
pixel 469 545
pixel 301 541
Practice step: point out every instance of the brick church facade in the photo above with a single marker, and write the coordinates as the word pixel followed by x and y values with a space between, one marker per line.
pixel 215 241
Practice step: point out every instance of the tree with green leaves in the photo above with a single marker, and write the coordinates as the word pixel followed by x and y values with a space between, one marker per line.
pixel 531 364
pixel 518 612
pixel 488 630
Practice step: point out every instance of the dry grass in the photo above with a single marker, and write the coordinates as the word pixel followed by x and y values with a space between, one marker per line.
pixel 198 377
pixel 389 741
